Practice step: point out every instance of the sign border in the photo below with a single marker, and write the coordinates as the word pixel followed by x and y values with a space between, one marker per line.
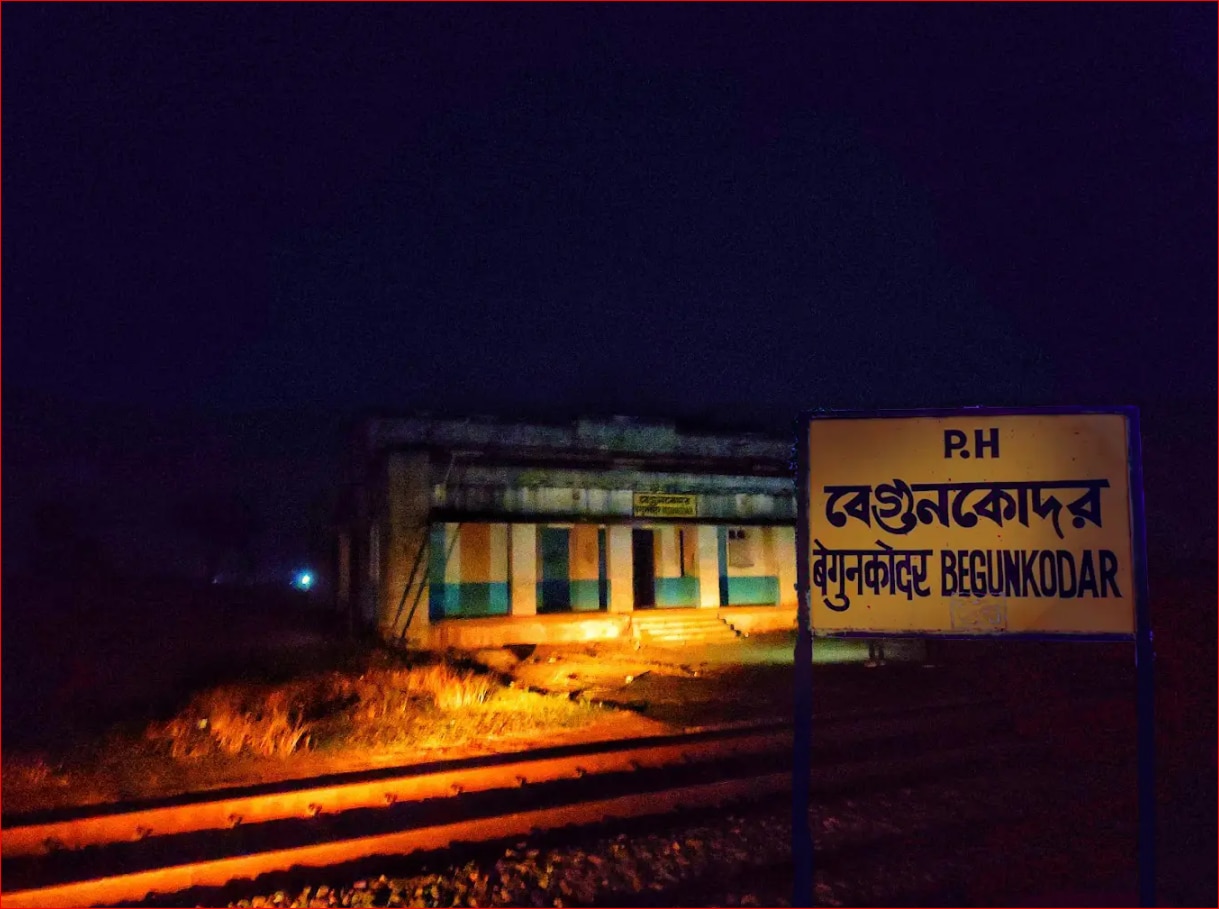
pixel 1134 506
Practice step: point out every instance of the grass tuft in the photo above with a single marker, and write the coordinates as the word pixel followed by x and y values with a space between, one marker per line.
pixel 234 719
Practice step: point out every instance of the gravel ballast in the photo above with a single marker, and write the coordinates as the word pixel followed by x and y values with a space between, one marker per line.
pixel 978 840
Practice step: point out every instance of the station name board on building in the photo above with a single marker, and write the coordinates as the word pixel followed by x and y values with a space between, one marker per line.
pixel 968 522
pixel 665 505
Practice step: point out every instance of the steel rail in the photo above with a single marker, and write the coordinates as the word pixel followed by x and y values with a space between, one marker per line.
pixel 379 789
pixel 260 807
pixel 165 881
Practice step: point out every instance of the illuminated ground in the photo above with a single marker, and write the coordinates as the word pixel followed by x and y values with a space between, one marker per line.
pixel 330 721
pixel 923 845
pixel 48 678
pixel 553 695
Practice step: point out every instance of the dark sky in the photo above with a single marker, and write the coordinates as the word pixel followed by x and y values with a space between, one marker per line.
pixel 229 228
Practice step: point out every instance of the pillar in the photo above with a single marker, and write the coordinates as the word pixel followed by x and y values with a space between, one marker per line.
pixel 667 564
pixel 708 566
pixel 523 546
pixel 619 566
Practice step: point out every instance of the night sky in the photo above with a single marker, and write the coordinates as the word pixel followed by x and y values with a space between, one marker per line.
pixel 228 230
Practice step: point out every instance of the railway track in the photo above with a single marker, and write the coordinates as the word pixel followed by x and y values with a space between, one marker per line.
pixel 127 855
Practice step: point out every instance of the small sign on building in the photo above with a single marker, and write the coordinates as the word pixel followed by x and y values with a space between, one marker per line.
pixel 665 505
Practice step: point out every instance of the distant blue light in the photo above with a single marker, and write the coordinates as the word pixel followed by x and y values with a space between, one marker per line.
pixel 303 581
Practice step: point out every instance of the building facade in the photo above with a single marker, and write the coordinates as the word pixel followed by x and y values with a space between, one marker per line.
pixel 475 533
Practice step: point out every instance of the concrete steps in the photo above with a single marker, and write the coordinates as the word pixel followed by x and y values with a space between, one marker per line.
pixel 674 628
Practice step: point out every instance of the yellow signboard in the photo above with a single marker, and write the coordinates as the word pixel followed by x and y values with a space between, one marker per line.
pixel 665 505
pixel 969 523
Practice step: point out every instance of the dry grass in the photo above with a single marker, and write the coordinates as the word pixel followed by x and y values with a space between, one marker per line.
pixel 237 719
pixel 359 709
pixel 27 770
pixel 383 702
pixel 396 691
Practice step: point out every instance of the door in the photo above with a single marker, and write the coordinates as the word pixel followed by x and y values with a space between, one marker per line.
pixel 643 559
pixel 554 544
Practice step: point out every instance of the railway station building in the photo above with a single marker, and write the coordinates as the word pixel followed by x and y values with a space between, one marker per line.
pixel 482 533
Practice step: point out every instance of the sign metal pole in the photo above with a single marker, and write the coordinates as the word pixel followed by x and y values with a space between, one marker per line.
pixel 802 751
pixel 1144 657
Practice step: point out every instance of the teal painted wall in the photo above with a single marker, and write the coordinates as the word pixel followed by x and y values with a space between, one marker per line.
pixel 586 596
pixel 438 601
pixel 448 601
pixel 762 590
pixel 676 592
